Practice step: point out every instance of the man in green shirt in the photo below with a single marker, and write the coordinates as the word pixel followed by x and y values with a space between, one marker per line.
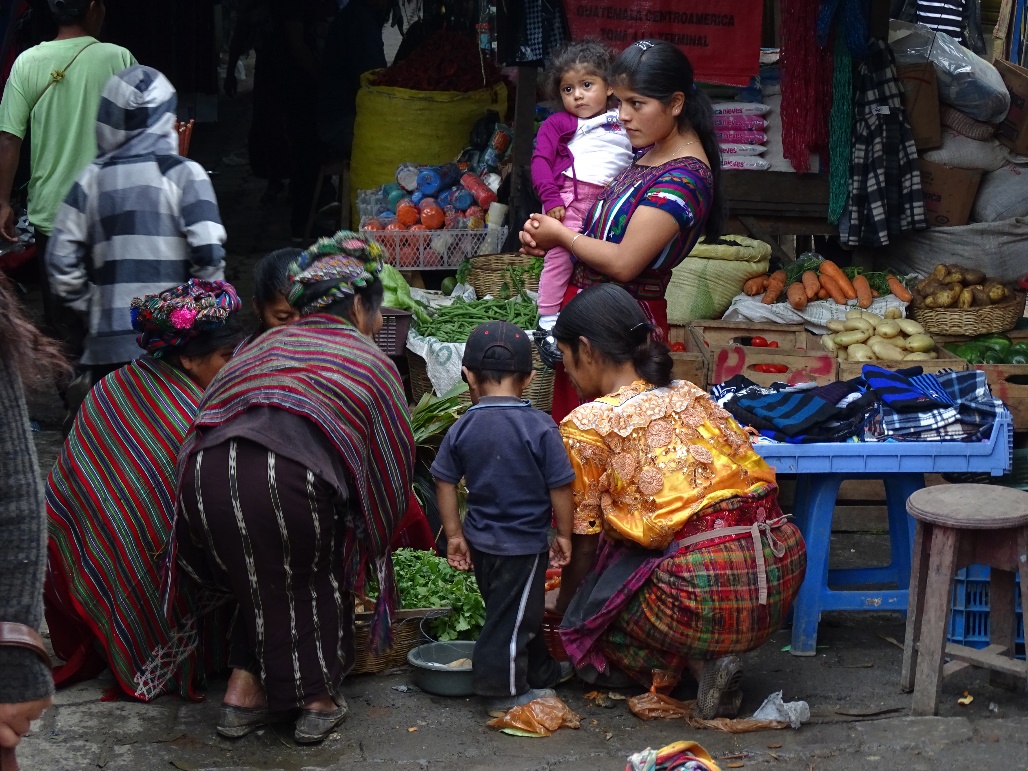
pixel 56 87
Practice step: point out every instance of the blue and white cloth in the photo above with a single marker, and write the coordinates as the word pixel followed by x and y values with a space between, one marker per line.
pixel 969 416
pixel 138 220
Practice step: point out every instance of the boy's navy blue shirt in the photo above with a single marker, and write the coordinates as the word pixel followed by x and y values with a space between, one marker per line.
pixel 510 456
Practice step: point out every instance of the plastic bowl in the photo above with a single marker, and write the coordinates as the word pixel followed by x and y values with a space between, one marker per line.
pixel 431 673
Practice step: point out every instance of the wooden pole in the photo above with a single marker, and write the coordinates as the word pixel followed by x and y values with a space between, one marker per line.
pixel 522 199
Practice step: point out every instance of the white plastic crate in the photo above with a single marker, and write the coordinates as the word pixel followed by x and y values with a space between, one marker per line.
pixel 436 249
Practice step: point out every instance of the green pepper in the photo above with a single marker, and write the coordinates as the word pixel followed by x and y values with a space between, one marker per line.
pixel 972 352
pixel 998 342
pixel 991 356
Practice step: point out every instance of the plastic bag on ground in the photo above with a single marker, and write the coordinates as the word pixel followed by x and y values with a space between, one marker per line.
pixel 794 713
pixel 539 718
pixel 680 756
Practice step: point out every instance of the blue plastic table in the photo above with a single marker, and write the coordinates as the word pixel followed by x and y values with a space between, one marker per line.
pixel 821 468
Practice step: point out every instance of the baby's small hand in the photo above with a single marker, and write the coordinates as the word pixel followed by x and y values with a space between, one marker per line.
pixel 560 551
pixel 557 212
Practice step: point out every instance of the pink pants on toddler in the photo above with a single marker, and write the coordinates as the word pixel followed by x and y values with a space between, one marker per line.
pixel 557 266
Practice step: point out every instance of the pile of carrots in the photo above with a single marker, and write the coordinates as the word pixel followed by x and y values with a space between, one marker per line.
pixel 828 282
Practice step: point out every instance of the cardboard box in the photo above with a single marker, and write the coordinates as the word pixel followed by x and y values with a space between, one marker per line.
pixel 921 101
pixel 848 370
pixel 1013 131
pixel 949 193
pixel 720 344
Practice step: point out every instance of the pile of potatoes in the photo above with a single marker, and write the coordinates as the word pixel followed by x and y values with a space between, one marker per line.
pixel 866 336
pixel 954 286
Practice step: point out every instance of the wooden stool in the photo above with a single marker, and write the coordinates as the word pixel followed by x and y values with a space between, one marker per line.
pixel 960 525
pixel 339 169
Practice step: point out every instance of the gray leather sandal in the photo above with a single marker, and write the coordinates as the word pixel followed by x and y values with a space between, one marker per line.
pixel 313 727
pixel 235 722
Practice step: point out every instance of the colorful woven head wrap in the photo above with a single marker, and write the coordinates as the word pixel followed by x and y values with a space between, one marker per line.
pixel 333 269
pixel 171 319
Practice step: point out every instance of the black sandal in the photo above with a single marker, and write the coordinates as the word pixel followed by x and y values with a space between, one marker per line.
pixel 236 722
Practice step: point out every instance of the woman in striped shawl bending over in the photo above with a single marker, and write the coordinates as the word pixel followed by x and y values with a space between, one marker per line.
pixel 109 501
pixel 294 479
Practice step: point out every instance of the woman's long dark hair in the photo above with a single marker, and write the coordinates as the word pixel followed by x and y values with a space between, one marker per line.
pixel 271 275
pixel 35 356
pixel 658 70
pixel 614 324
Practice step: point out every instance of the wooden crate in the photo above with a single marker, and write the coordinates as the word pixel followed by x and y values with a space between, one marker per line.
pixel 1009 384
pixel 691 365
pixel 848 370
pixel 718 342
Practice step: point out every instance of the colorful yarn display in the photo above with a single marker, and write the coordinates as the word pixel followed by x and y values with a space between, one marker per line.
pixel 174 317
pixel 806 72
pixel 348 259
pixel 840 133
pixel 852 26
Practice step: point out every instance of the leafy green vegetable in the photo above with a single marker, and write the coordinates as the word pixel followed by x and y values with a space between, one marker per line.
pixel 432 417
pixel 424 580
pixel 464 271
pixel 397 294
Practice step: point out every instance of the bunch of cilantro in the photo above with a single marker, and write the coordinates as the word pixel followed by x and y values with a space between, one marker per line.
pixel 424 580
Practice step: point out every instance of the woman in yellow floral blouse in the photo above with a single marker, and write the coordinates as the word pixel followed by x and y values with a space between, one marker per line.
pixel 681 555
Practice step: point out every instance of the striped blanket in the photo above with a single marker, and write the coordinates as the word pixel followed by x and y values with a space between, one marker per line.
pixel 109 502
pixel 324 370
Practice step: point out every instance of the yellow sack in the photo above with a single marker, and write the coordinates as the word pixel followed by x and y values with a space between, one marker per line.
pixel 398 125
pixel 703 286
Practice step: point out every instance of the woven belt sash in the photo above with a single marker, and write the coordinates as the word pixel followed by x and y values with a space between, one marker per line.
pixel 755 531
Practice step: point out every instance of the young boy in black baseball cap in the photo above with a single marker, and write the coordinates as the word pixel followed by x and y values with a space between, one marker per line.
pixel 517 474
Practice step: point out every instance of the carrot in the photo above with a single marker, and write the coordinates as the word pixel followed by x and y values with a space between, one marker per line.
pixel 775 287
pixel 797 295
pixel 755 285
pixel 899 290
pixel 810 284
pixel 833 289
pixel 863 289
pixel 832 270
pixel 822 293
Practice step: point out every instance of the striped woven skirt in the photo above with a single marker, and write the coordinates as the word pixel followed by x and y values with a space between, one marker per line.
pixel 263 528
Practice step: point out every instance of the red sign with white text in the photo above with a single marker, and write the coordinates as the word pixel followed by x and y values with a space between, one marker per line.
pixel 720 37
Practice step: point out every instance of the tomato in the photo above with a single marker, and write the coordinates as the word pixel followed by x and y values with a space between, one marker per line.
pixel 373 224
pixel 395 226
pixel 772 344
pixel 678 347
pixel 758 342
pixel 771 369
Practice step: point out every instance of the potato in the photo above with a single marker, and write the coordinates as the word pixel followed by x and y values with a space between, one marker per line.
pixel 873 339
pixel 853 336
pixel 930 286
pixel 996 291
pixel 887 329
pixel 919 343
pixel 888 352
pixel 851 324
pixel 940 272
pixel 855 314
pixel 954 277
pixel 917 356
pixel 944 298
pixel 893 314
pixel 910 327
pixel 841 355
pixel 874 318
pixel 836 326
pixel 829 344
pixel 974 276
pixel 981 297
pixel 860 352
pixel 966 299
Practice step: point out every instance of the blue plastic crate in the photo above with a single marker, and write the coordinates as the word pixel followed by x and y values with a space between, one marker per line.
pixel 991 457
pixel 969 611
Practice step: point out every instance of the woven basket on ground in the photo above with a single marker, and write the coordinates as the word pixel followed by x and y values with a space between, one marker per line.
pixel 489 273
pixel 971 321
pixel 540 391
pixel 407 635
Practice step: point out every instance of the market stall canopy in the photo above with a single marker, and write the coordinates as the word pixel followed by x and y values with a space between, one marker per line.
pixel 720 37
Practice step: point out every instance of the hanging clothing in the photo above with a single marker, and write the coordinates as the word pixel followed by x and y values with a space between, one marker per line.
pixel 960 19
pixel 109 502
pixel 530 30
pixel 885 185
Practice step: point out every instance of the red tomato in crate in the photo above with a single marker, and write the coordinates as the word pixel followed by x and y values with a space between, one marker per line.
pixel 772 344
pixel 678 347
pixel 758 342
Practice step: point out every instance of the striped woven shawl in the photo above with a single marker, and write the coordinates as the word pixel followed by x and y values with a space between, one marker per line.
pixel 329 373
pixel 109 504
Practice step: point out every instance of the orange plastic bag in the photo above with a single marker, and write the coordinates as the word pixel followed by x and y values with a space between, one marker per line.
pixel 539 718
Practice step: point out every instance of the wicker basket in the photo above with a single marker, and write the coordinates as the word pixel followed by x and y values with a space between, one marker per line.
pixel 407 635
pixel 551 634
pixel 971 321
pixel 540 391
pixel 489 273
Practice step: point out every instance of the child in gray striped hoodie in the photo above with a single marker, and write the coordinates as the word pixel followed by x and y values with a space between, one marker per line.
pixel 138 220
